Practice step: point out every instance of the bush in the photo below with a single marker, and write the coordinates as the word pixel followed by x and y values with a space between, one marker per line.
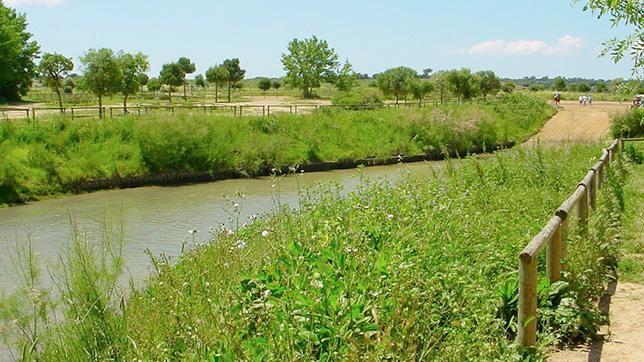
pixel 629 124
pixel 351 100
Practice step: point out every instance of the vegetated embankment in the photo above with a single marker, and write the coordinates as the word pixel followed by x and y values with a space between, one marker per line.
pixel 61 155
pixel 424 269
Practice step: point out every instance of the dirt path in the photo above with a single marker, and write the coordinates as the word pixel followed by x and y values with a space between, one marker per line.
pixel 579 123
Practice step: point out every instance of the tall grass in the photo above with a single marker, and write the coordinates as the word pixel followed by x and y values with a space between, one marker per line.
pixel 424 269
pixel 49 157
pixel 629 124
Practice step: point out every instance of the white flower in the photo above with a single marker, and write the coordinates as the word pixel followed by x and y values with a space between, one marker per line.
pixel 229 231
pixel 240 244
pixel 390 217
pixel 265 233
pixel 317 284
pixel 193 231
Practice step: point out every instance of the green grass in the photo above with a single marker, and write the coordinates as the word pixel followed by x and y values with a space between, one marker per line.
pixel 631 265
pixel 48 157
pixel 424 269
pixel 629 124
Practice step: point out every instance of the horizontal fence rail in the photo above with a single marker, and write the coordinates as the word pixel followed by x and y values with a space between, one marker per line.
pixel 553 238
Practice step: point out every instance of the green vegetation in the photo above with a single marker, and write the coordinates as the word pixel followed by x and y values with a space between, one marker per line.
pixel 424 269
pixel 102 74
pixel 631 264
pixel 17 53
pixel 629 124
pixel 49 157
pixel 397 82
pixel 54 68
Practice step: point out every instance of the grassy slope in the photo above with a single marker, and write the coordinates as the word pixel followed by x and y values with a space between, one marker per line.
pixel 632 263
pixel 45 158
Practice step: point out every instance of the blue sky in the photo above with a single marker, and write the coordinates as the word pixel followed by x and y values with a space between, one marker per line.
pixel 512 38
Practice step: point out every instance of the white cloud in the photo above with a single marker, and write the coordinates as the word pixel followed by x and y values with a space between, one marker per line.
pixel 567 44
pixel 33 2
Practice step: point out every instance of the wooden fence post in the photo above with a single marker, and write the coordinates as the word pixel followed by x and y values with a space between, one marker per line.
pixel 527 331
pixel 582 211
pixel 592 190
pixel 553 258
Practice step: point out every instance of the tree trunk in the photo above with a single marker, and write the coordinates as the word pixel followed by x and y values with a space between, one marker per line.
pixel 216 92
pixel 229 85
pixel 60 99
pixel 100 106
pixel 185 97
pixel 397 98
pixel 170 94
pixel 125 104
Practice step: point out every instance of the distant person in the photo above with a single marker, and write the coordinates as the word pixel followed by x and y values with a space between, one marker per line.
pixel 557 98
pixel 590 99
pixel 581 100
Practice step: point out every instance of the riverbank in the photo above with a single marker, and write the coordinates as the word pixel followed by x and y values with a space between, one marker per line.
pixel 60 156
pixel 384 271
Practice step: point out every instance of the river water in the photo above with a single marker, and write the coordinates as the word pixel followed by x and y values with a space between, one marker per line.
pixel 159 218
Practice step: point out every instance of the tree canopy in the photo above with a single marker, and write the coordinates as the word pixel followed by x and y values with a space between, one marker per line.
pixel 53 69
pixel 308 63
pixel 217 75
pixel 235 73
pixel 488 83
pixel 133 66
pixel 188 67
pixel 397 82
pixel 463 83
pixel 17 53
pixel 264 84
pixel 172 75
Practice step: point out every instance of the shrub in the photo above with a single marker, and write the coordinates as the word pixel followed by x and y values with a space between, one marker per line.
pixel 629 124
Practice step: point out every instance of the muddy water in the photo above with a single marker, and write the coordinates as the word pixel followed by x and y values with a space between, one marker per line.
pixel 159 218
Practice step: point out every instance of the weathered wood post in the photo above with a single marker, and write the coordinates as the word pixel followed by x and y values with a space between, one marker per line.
pixel 582 210
pixel 72 111
pixel 111 116
pixel 527 331
pixel 296 110
pixel 240 111
pixel 592 190
pixel 553 258
pixel 264 111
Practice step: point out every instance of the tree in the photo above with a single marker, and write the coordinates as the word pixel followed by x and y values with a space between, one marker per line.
pixel 397 82
pixel 17 53
pixel 489 83
pixel 584 87
pixel 172 75
pixel 626 12
pixel 235 73
pixel 559 84
pixel 69 85
pixel 200 81
pixel 421 88
pixel 463 83
pixel 276 85
pixel 218 76
pixel 508 87
pixel 309 62
pixel 345 79
pixel 441 85
pixel 53 69
pixel 144 78
pixel 601 87
pixel 154 84
pixel 573 87
pixel 188 67
pixel 102 74
pixel 264 84
pixel 427 72
pixel 132 66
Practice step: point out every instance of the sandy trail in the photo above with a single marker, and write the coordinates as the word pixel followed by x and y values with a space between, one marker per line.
pixel 578 123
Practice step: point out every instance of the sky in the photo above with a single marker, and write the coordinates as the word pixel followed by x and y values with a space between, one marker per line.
pixel 512 38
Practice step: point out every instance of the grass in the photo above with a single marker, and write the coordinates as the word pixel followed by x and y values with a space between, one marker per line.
pixel 631 265
pixel 49 157
pixel 629 124
pixel 424 269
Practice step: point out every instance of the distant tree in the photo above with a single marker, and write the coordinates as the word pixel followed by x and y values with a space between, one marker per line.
pixel 572 87
pixel 102 74
pixel 421 88
pixel 200 81
pixel 53 70
pixel 144 79
pixel 235 73
pixel 264 84
pixel 535 87
pixel 397 82
pixel 276 85
pixel 463 83
pixel 559 84
pixel 489 83
pixel 188 67
pixel 172 75
pixel 238 86
pixel 508 87
pixel 345 79
pixel 441 85
pixel 626 12
pixel 309 62
pixel 17 53
pixel 217 75
pixel 427 72
pixel 132 67
pixel 69 85
pixel 601 87
pixel 154 84
pixel 584 87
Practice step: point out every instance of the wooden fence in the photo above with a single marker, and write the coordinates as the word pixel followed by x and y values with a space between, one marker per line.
pixel 553 237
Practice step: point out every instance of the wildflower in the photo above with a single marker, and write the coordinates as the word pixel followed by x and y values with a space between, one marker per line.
pixel 317 284
pixel 193 231
pixel 390 217
pixel 240 244
pixel 265 233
